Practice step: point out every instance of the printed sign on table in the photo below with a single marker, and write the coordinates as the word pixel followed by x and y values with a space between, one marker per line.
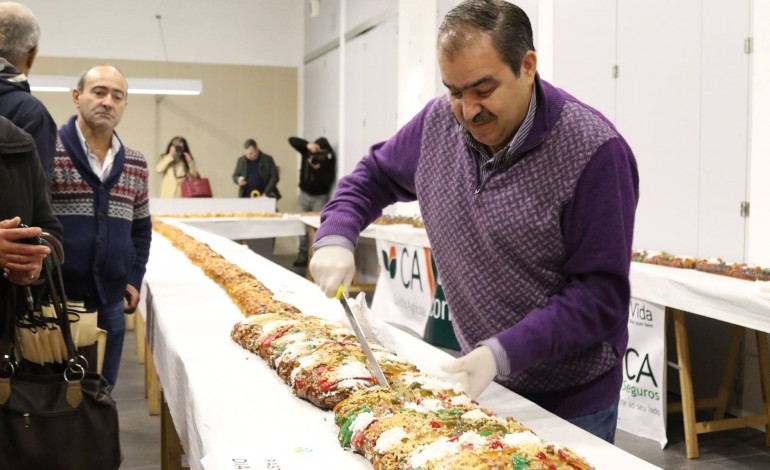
pixel 642 408
pixel 409 293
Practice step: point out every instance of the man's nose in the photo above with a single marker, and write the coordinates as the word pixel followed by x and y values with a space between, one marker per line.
pixel 470 108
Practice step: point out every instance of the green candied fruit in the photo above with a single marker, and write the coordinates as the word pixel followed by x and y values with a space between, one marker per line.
pixel 340 420
pixel 346 433
pixel 296 330
pixel 485 433
pixel 519 462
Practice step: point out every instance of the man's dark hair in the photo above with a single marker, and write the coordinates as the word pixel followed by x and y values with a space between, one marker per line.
pixel 507 25
pixel 250 143
pixel 82 80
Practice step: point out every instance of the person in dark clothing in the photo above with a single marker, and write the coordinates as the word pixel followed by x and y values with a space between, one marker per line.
pixel 316 177
pixel 23 199
pixel 99 188
pixel 255 173
pixel 19 35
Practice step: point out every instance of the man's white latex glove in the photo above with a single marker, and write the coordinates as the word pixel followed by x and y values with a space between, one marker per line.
pixel 475 371
pixel 331 266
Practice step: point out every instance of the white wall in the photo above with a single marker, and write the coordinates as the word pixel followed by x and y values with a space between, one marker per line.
pixel 759 141
pixel 417 73
pixel 238 32
pixel 324 28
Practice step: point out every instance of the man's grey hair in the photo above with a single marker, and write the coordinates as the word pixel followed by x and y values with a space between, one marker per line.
pixel 19 32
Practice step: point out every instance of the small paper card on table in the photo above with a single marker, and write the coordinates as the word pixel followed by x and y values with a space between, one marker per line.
pixel 289 458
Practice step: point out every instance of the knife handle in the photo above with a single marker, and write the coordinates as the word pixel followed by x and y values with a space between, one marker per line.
pixel 340 292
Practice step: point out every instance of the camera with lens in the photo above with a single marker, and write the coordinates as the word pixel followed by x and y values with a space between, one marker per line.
pixel 319 157
pixel 29 241
pixel 179 148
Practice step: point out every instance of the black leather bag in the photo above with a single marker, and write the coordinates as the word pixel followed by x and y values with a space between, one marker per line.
pixel 57 417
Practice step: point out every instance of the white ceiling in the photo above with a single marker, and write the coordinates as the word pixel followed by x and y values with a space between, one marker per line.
pixel 243 32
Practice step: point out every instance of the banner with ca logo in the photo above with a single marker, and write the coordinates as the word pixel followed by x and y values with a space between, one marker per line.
pixel 409 293
pixel 642 407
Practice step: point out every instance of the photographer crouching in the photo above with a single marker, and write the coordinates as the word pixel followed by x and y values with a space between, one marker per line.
pixel 316 177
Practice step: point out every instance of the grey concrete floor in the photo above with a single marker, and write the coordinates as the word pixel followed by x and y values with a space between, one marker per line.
pixel 140 433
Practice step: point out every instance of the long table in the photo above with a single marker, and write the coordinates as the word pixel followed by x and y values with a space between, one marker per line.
pixel 743 304
pixel 227 403
pixel 248 228
pixel 723 298
pixel 205 205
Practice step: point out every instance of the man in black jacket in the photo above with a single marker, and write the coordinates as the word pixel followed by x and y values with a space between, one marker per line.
pixel 23 199
pixel 19 36
pixel 255 173
pixel 316 177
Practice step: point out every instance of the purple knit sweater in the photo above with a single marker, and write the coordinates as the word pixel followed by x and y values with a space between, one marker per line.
pixel 536 265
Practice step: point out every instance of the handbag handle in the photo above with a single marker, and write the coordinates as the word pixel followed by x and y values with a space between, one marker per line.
pixel 55 282
pixel 7 362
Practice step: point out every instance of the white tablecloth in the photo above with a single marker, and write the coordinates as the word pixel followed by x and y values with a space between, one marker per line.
pixel 224 399
pixel 205 205
pixel 398 233
pixel 731 300
pixel 248 228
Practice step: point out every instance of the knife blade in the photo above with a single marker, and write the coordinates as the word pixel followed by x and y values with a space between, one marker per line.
pixel 374 366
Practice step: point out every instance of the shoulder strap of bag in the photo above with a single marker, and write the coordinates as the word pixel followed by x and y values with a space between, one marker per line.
pixel 7 363
pixel 55 282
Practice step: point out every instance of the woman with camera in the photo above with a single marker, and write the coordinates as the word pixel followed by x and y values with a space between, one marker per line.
pixel 316 177
pixel 175 164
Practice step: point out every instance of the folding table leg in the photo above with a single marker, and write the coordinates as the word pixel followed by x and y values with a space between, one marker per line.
pixel 152 385
pixel 170 446
pixel 764 378
pixel 140 338
pixel 729 374
pixel 685 383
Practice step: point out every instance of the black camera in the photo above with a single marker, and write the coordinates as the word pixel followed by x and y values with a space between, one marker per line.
pixel 319 157
pixel 29 241
pixel 179 148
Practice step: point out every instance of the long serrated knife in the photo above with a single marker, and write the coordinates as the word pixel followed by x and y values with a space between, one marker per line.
pixel 374 366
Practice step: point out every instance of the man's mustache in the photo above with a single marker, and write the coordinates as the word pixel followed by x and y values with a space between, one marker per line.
pixel 481 118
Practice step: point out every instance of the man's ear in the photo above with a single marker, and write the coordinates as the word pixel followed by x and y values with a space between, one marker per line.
pixel 32 56
pixel 529 65
pixel 26 64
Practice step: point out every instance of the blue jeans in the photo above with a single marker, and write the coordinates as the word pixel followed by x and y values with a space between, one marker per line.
pixel 111 318
pixel 601 424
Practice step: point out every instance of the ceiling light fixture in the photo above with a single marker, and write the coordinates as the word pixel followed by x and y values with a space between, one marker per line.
pixel 136 86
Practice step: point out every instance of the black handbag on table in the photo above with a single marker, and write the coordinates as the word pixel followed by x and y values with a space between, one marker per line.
pixel 58 416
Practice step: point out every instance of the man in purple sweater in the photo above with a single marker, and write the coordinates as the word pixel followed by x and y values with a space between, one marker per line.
pixel 528 197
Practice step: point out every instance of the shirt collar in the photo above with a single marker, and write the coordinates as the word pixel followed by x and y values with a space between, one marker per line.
pixel 114 145
pixel 101 169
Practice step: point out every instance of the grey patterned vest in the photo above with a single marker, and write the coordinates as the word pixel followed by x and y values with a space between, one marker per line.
pixel 500 253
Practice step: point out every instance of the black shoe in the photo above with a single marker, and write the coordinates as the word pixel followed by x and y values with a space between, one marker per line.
pixel 301 260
